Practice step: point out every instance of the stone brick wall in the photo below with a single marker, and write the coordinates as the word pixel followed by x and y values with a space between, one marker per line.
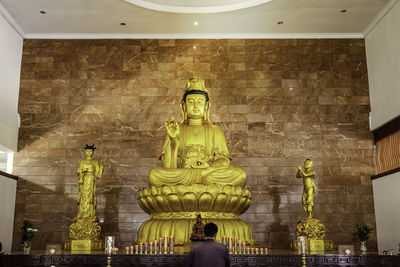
pixel 278 102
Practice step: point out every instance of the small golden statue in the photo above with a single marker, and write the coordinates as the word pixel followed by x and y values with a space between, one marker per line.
pixel 309 186
pixel 196 177
pixel 85 229
pixel 310 227
pixel 198 230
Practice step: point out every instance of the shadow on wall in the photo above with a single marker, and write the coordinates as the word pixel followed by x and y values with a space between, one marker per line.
pixel 279 234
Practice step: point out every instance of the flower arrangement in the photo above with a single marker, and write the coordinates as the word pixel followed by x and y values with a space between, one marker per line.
pixel 361 232
pixel 28 231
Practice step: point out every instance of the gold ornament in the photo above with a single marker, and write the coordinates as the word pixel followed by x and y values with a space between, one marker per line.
pixel 309 186
pixel 196 177
pixel 310 227
pixel 85 226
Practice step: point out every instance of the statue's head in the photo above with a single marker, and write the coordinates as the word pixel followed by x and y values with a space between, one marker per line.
pixel 195 102
pixel 89 149
pixel 307 163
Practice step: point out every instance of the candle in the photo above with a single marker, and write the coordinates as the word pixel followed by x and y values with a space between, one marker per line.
pixel 161 245
pixel 240 247
pixel 131 249
pixel 141 249
pixel 155 246
pixel 136 249
pixel 171 244
pixel 166 244
pixel 151 248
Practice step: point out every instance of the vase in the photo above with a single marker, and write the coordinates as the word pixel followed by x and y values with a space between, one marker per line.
pixel 27 247
pixel 363 248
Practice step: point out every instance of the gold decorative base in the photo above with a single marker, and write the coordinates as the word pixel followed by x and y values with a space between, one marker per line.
pixel 311 228
pixel 315 246
pixel 85 229
pixel 173 210
pixel 181 229
pixel 83 246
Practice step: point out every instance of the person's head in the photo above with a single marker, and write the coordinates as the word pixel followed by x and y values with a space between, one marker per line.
pixel 89 150
pixel 210 230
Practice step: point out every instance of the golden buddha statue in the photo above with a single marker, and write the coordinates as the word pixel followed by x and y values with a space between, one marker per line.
pixel 85 229
pixel 196 177
pixel 309 189
pixel 195 150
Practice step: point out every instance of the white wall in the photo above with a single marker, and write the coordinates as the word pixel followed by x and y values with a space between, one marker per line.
pixel 10 66
pixel 8 188
pixel 387 211
pixel 383 59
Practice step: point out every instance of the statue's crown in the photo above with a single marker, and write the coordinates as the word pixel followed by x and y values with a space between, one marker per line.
pixel 195 84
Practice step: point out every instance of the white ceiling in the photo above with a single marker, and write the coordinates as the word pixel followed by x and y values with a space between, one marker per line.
pixel 102 18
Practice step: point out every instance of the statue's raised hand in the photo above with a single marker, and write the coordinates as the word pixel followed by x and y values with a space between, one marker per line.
pixel 172 128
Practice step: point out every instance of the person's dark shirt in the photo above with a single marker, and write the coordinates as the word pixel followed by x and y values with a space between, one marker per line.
pixel 209 254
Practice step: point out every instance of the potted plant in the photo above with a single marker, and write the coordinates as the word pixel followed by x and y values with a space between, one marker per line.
pixel 27 234
pixel 361 234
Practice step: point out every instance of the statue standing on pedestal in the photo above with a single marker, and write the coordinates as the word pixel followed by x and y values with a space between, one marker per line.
pixel 310 227
pixel 85 225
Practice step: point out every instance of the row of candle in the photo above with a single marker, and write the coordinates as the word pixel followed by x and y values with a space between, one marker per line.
pixel 161 246
pixel 236 246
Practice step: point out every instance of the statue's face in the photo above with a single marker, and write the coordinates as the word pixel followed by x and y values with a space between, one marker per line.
pixel 195 106
pixel 89 152
pixel 308 164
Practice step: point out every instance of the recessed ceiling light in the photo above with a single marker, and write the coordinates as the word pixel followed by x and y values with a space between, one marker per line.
pixel 280 22
pixel 196 23
pixel 123 23
pixel 343 10
pixel 42 12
